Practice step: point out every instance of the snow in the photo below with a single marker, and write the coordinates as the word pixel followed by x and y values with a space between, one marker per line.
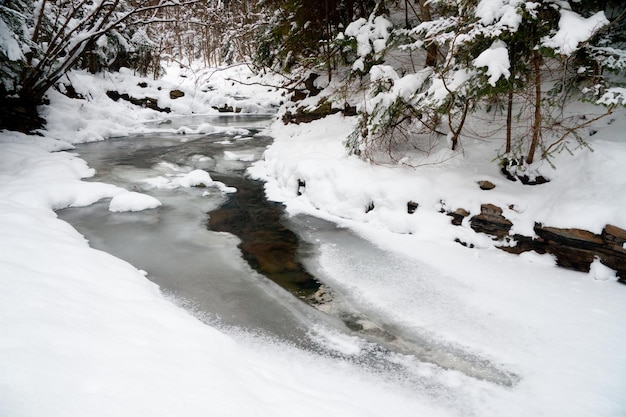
pixel 499 13
pixel 84 333
pixel 133 201
pixel 478 295
pixel 496 59
pixel 370 35
pixel 601 272
pixel 574 29
pixel 176 176
pixel 196 178
pixel 8 44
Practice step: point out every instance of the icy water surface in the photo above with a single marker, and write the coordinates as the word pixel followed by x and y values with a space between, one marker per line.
pixel 201 268
pixel 205 269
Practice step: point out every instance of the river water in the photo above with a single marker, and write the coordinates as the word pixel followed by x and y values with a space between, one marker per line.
pixel 205 271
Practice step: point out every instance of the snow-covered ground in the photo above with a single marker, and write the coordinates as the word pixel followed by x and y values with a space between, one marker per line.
pixel 84 333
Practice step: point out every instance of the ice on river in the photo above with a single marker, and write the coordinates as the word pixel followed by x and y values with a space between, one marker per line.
pixel 203 271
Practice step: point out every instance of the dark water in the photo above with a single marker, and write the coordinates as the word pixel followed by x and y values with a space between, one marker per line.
pixel 267 244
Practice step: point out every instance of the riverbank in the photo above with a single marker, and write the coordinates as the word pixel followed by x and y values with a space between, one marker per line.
pixel 86 333
pixel 560 330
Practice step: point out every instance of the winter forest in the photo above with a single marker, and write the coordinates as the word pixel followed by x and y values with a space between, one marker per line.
pixel 287 207
pixel 422 67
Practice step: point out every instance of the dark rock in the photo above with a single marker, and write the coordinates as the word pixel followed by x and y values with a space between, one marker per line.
pixel 508 174
pixel 301 186
pixel 575 238
pixel 324 108
pixel 509 170
pixel 298 95
pixel 309 83
pixel 411 206
pixel 614 236
pixel 142 84
pixel 71 92
pixel 174 94
pixel 538 180
pixel 147 102
pixel 486 185
pixel 577 248
pixel 491 221
pixel 369 207
pixel 458 215
pixel 525 244
pixel 227 109
pixel 459 241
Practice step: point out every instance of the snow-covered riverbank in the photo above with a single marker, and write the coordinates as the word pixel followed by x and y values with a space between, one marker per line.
pixel 85 333
pixel 559 330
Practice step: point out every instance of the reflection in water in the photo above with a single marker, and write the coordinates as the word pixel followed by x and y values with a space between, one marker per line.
pixel 266 244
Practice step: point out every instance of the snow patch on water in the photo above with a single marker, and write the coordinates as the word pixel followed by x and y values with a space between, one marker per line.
pixel 133 201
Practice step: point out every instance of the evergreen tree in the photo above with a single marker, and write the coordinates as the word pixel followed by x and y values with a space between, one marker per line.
pixel 299 33
pixel 535 57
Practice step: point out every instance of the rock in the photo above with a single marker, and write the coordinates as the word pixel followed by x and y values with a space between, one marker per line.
pixel 537 180
pixel 575 238
pixel 324 108
pixel 411 206
pixel 458 215
pixel 524 244
pixel 148 102
pixel 301 186
pixel 614 236
pixel 462 243
pixel 491 221
pixel 298 95
pixel 573 248
pixel 309 83
pixel 577 248
pixel 486 185
pixel 227 109
pixel 174 94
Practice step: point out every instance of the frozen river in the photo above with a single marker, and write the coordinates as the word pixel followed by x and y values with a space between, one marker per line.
pixel 204 270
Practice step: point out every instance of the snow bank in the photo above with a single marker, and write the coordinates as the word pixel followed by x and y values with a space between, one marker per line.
pixel 133 201
pixel 484 299
pixel 84 333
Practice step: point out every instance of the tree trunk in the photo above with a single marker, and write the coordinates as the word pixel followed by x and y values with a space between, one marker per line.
pixel 536 133
pixel 431 50
pixel 509 121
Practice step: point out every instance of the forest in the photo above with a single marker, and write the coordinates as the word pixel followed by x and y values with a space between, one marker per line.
pixel 414 71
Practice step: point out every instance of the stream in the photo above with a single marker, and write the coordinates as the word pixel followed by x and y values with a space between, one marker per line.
pixel 237 262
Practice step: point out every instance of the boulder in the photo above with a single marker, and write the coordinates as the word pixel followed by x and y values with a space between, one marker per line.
pixel 458 215
pixel 486 185
pixel 576 248
pixel 174 94
pixel 491 221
